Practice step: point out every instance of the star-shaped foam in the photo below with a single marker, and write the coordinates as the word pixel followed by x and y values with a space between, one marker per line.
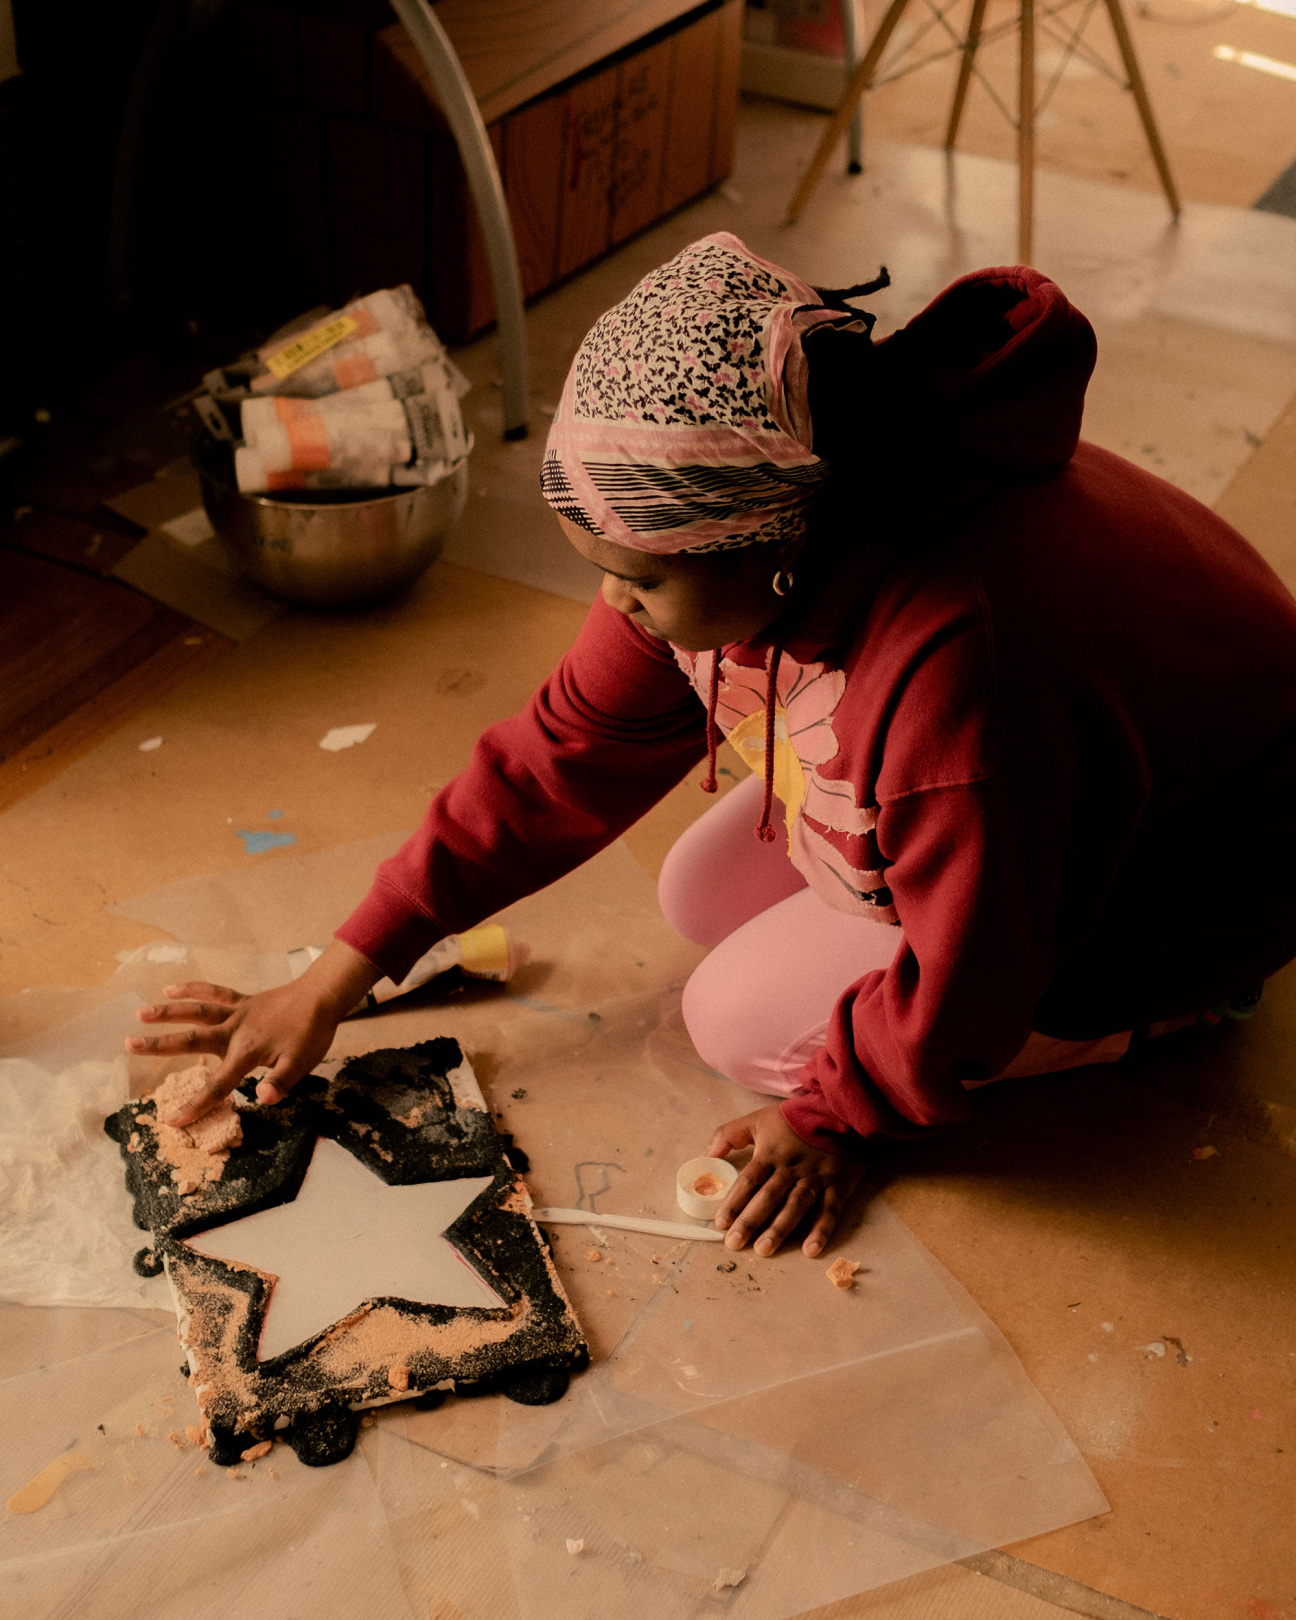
pixel 348 1237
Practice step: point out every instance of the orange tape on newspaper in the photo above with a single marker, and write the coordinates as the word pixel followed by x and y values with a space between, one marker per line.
pixel 354 369
pixel 308 441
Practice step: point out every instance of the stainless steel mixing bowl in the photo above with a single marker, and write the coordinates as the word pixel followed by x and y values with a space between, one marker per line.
pixel 326 552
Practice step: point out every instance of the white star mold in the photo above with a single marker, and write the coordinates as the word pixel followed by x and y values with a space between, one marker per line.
pixel 348 1238
pixel 369 1240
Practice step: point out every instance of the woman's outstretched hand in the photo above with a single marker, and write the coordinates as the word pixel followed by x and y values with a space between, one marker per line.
pixel 783 1184
pixel 287 1030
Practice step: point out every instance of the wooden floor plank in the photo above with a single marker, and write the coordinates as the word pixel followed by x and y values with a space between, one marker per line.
pixel 66 636
pixel 82 729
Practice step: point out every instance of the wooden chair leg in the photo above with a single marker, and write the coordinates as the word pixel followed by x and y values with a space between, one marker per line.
pixel 846 108
pixel 1135 75
pixel 970 47
pixel 1026 135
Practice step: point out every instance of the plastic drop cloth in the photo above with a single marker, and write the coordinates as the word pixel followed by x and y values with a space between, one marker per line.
pixel 809 1442
pixel 68 1234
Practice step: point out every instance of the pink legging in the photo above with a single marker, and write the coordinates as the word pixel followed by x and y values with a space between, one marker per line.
pixel 758 1007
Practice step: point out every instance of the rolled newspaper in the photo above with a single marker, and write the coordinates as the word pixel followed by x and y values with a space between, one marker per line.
pixel 404 429
pixel 482 953
pixel 370 338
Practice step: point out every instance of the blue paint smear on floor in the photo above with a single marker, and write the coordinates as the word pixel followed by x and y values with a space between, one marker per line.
pixel 274 815
pixel 256 843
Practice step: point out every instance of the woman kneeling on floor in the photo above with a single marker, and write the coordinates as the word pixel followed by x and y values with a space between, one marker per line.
pixel 1021 718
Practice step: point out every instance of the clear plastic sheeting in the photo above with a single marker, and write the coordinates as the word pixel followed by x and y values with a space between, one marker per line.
pixel 145 1526
pixel 293 901
pixel 69 1238
pixel 748 1439
pixel 875 1431
pixel 68 1233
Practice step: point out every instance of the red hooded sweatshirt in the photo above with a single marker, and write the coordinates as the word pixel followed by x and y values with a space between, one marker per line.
pixel 1047 724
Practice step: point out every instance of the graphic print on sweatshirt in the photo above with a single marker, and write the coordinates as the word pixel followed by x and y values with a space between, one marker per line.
pixel 829 834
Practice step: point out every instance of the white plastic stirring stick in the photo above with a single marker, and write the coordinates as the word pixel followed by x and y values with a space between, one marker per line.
pixel 627 1223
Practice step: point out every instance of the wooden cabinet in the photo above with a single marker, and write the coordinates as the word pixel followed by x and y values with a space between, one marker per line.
pixel 604 115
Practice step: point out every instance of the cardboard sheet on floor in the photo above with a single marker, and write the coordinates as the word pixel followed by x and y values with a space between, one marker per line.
pixel 811 1442
pixel 180 566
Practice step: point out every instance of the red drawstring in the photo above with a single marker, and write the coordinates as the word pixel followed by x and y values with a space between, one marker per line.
pixel 764 831
pixel 709 783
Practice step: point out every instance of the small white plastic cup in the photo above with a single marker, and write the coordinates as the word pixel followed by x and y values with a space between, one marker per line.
pixel 716 1177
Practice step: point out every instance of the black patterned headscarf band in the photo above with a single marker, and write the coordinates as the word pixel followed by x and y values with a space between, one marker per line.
pixel 684 424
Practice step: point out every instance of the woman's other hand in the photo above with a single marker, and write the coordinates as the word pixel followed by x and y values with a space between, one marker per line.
pixel 783 1184
pixel 287 1030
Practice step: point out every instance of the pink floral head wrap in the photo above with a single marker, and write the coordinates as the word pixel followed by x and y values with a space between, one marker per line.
pixel 684 423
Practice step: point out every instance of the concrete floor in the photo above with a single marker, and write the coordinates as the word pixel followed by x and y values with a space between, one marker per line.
pixel 1073 1210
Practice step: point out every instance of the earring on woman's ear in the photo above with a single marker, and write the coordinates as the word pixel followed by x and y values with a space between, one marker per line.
pixel 782 582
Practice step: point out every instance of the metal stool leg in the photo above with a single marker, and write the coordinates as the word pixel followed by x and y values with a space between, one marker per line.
pixel 1026 135
pixel 1135 75
pixel 461 109
pixel 855 136
pixel 970 47
pixel 855 88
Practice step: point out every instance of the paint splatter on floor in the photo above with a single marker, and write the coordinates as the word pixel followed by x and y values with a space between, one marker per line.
pixel 36 1492
pixel 256 843
pixel 346 737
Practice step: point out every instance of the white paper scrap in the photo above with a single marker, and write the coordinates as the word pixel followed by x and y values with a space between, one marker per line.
pixel 190 528
pixel 149 744
pixel 346 737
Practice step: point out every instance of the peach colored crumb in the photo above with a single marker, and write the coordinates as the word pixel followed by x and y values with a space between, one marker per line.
pixel 594 1255
pixel 167 1398
pixel 658 1279
pixel 261 1449
pixel 140 1429
pixel 398 1377
pixel 132 1145
pixel 841 1274
pixel 708 1185
pixel 655 1258
pixel 196 1435
pixel 368 1421
pixel 199 1472
pixel 272 1473
pixel 176 1440
pixel 196 1152
pixel 233 1473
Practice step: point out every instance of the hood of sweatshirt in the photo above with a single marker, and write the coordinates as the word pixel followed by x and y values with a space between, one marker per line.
pixel 984 387
pixel 998 363
pixel 986 384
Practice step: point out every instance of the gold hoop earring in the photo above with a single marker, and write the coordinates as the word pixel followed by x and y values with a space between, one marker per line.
pixel 781 583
